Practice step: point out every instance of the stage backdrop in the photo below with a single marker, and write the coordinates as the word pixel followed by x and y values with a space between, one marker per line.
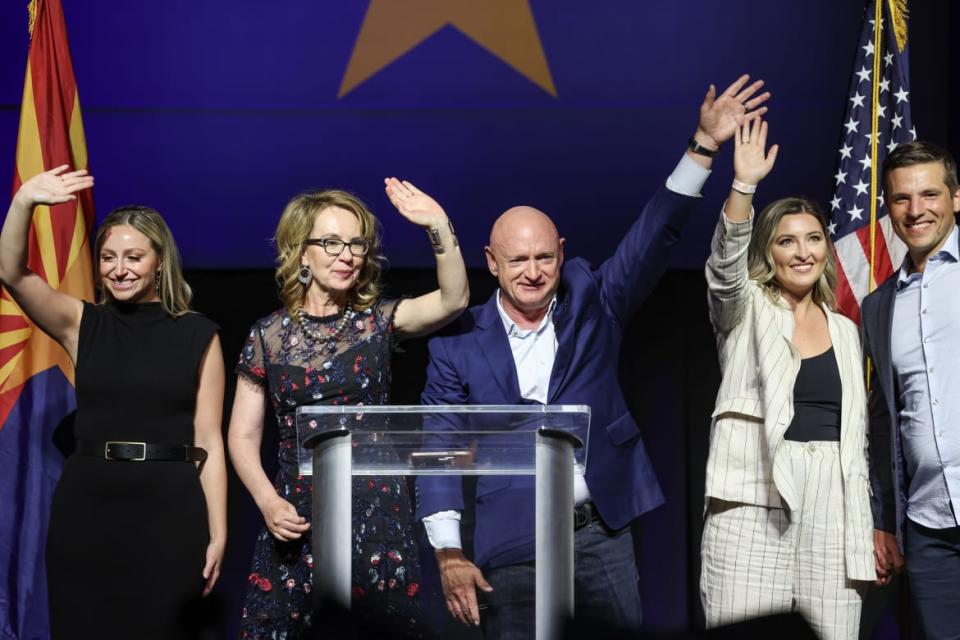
pixel 216 113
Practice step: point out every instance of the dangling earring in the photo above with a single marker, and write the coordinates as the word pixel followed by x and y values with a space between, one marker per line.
pixel 156 282
pixel 304 276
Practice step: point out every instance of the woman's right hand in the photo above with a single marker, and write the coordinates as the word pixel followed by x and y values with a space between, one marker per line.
pixel 751 163
pixel 282 519
pixel 53 187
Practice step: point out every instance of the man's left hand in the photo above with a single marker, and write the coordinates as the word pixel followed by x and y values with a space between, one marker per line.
pixel 721 115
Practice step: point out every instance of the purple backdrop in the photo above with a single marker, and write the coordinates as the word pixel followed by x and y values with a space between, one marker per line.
pixel 216 113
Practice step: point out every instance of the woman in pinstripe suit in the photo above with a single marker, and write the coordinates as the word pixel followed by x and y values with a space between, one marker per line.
pixel 788 524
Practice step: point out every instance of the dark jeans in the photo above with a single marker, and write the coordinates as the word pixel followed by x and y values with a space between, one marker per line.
pixel 605 587
pixel 933 564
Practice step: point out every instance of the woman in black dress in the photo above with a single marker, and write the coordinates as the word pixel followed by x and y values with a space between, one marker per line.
pixel 331 344
pixel 138 523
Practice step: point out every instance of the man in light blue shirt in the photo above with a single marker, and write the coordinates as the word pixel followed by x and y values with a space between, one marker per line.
pixel 912 332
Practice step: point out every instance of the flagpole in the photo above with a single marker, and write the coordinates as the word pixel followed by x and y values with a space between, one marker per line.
pixel 874 135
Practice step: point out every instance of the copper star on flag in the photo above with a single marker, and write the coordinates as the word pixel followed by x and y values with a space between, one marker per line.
pixel 505 28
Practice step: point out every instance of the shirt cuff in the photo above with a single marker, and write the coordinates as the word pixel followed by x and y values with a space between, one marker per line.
pixel 688 178
pixel 732 223
pixel 443 529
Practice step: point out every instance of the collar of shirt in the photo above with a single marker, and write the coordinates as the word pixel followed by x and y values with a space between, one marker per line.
pixel 950 252
pixel 511 327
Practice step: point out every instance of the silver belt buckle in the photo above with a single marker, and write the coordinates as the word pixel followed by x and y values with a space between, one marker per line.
pixel 142 445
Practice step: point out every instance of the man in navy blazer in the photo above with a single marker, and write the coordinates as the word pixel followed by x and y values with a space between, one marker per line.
pixel 909 327
pixel 552 334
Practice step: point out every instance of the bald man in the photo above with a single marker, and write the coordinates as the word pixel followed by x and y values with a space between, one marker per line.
pixel 551 334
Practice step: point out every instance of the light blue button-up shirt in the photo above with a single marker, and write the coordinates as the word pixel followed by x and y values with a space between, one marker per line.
pixel 926 364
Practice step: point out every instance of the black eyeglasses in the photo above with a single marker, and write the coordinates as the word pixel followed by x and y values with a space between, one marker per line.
pixel 334 247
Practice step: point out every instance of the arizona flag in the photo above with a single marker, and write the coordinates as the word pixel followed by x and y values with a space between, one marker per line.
pixel 36 376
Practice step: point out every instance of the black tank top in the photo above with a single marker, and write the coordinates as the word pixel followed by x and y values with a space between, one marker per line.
pixel 816 400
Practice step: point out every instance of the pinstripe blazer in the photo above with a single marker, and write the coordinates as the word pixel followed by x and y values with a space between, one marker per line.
pixel 755 403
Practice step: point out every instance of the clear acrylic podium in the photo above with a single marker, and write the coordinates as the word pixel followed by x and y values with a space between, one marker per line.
pixel 548 441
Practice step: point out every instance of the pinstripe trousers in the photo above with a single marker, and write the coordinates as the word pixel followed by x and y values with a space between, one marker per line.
pixel 762 560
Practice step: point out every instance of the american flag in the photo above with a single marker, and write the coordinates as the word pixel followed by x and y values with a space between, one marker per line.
pixel 879 104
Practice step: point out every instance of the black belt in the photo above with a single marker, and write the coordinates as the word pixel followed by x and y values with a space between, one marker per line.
pixel 585 514
pixel 140 451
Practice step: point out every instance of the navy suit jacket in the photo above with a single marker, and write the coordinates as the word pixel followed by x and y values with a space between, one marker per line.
pixel 887 466
pixel 473 364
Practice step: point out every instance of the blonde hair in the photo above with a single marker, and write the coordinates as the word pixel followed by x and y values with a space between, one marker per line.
pixel 174 292
pixel 760 265
pixel 296 223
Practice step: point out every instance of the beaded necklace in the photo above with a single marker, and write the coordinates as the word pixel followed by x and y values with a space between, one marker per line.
pixel 331 340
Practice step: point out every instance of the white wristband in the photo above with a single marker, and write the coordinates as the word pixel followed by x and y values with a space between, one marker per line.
pixel 744 188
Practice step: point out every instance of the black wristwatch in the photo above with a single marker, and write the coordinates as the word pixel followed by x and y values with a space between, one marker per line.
pixel 696 147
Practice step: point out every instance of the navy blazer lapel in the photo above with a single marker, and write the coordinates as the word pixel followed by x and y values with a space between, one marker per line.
pixel 495 346
pixel 565 327
pixel 883 350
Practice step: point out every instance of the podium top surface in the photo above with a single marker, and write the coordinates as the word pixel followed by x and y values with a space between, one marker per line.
pixel 443 439
pixel 443 409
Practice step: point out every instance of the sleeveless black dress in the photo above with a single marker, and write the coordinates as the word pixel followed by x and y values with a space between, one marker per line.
pixel 127 540
pixel 295 369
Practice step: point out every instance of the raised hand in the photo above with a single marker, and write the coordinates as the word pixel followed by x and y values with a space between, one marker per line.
pixel 751 161
pixel 721 115
pixel 54 187
pixel 413 204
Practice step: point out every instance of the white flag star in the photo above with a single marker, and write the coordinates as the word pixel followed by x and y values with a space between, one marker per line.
pixel 896 121
pixel 845 150
pixel 902 95
pixel 857 100
pixel 868 49
pixel 863 74
pixel 851 125
pixel 861 187
pixel 865 161
pixel 855 213
pixel 835 204
pixel 869 137
pixel 913 132
pixel 841 177
pixel 890 147
pixel 832 228
pixel 885 85
pixel 888 59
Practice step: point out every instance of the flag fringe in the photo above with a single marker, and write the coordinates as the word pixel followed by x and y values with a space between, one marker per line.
pixel 899 13
pixel 32 9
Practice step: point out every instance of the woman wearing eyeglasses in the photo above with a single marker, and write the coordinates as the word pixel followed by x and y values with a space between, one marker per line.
pixel 331 344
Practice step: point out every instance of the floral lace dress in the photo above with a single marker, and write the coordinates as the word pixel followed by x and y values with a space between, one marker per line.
pixel 353 368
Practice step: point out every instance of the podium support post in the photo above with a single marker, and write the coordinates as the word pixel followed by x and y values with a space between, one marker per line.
pixel 554 532
pixel 332 519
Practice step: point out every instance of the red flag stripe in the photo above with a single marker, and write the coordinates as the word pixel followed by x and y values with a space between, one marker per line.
pixel 55 91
